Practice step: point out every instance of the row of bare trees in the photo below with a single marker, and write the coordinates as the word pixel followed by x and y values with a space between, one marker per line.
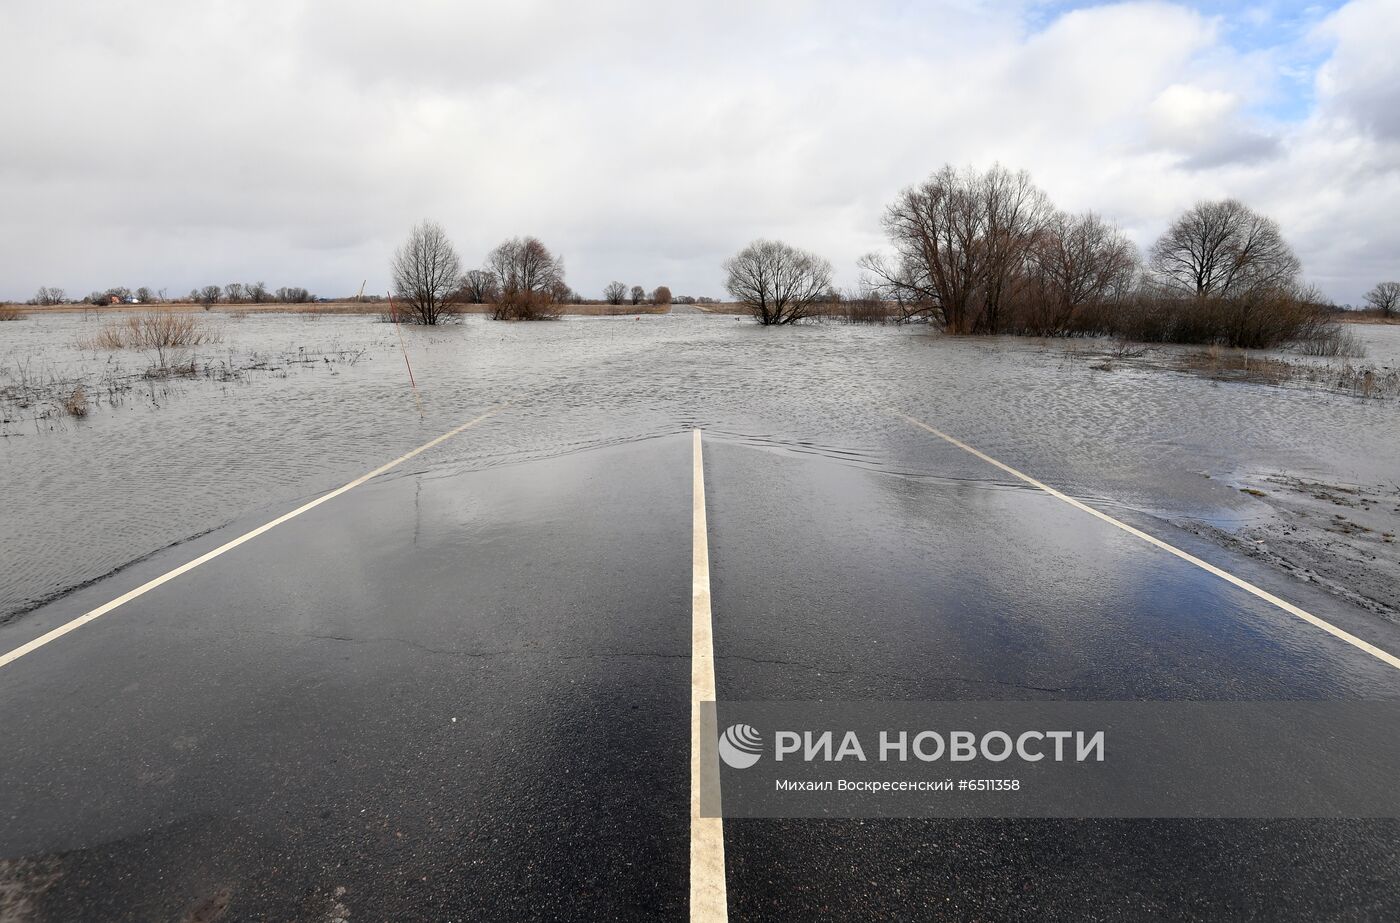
pixel 522 279
pixel 49 296
pixel 617 293
pixel 987 252
pixel 248 293
pixel 233 293
pixel 117 294
pixel 976 251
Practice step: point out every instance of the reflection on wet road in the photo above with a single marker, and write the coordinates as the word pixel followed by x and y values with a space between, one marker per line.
pixel 460 690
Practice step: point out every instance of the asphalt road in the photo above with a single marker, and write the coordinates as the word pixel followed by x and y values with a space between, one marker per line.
pixel 464 694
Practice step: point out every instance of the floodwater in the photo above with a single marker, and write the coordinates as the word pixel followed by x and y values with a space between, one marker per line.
pixel 462 689
pixel 284 407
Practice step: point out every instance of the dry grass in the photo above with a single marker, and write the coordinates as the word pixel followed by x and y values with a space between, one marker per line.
pixel 526 306
pixel 76 403
pixel 861 309
pixel 1331 340
pixel 1238 365
pixel 723 307
pixel 613 310
pixel 158 330
pixel 10 312
pixel 1365 317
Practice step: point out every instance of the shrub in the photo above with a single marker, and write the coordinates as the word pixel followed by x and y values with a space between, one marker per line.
pixel 865 309
pixel 75 404
pixel 525 305
pixel 1331 340
pixel 529 281
pixel 160 331
pixel 1261 318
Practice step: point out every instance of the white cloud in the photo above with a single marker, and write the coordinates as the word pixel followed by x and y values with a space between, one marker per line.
pixel 1361 82
pixel 169 143
pixel 1206 128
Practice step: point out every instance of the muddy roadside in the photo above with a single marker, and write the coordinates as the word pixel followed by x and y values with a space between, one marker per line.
pixel 1341 537
pixel 1337 535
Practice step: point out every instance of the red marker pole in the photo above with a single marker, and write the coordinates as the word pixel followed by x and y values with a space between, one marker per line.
pixel 393 314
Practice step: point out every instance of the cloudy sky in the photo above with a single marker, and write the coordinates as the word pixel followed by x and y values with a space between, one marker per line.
pixel 175 143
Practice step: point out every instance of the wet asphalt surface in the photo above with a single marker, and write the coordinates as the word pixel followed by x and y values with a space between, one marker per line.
pixel 462 693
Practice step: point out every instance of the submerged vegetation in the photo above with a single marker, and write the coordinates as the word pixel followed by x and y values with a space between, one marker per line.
pixel 39 395
pixel 154 330
pixel 1221 363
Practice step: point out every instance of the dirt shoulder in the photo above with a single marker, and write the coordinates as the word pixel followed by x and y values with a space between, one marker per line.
pixel 1342 537
pixel 1339 536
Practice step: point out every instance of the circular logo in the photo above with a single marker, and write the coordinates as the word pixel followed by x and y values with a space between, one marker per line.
pixel 740 746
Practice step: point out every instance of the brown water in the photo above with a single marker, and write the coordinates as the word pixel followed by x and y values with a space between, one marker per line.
pixel 286 407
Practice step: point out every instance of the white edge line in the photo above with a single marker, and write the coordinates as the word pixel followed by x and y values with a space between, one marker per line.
pixel 166 577
pixel 708 896
pixel 1285 605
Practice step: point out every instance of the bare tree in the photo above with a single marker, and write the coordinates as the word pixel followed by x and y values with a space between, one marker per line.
pixel 639 294
pixel 1384 298
pixel 292 295
pixel 563 294
pixel 778 283
pixel 209 296
pixel 661 295
pixel 48 296
pixel 234 293
pixel 615 293
pixel 479 286
pixel 530 280
pixel 146 295
pixel 1224 249
pixel 1078 261
pixel 961 240
pixel 427 273
pixel 1016 214
pixel 257 292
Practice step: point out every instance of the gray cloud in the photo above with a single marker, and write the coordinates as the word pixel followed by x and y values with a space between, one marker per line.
pixel 176 144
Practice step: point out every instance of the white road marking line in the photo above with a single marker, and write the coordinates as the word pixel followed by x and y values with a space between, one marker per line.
pixel 709 899
pixel 145 588
pixel 1245 585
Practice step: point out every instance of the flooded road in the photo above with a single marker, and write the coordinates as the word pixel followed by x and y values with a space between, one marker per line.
pixel 315 401
pixel 461 689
